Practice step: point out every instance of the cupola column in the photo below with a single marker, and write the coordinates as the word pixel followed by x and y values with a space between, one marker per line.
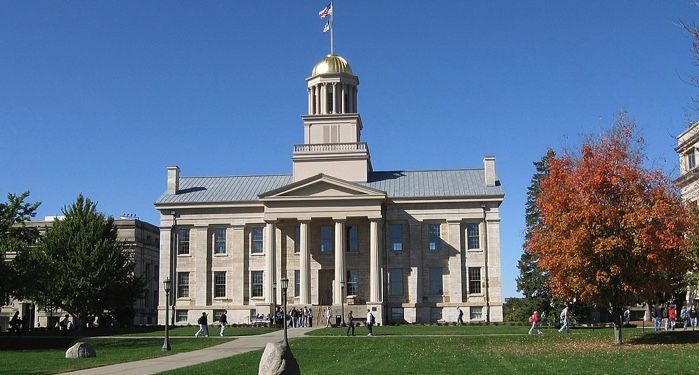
pixel 310 100
pixel 335 110
pixel 316 97
pixel 344 98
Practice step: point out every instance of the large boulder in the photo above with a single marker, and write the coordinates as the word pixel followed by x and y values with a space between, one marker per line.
pixel 277 359
pixel 81 350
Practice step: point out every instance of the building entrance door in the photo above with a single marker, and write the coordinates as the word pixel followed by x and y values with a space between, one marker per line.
pixel 326 278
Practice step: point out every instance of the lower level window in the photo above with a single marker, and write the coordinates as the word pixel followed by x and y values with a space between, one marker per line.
pixel 181 316
pixel 217 315
pixel 352 283
pixel 397 314
pixel 256 282
pixel 219 284
pixel 476 313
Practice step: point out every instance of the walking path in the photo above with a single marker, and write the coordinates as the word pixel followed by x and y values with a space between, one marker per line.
pixel 242 344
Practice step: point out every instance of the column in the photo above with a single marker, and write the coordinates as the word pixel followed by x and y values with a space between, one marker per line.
pixel 238 253
pixel 456 262
pixel 416 278
pixel 310 100
pixel 338 295
pixel 374 267
pixel 344 98
pixel 305 263
pixel 323 98
pixel 316 98
pixel 335 98
pixel 269 261
pixel 164 268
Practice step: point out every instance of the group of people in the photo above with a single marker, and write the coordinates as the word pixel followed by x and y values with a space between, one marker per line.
pixel 564 317
pixel 301 317
pixel 665 316
pixel 203 323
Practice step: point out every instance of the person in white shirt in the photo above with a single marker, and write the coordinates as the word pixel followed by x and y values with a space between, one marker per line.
pixel 370 322
pixel 328 316
pixel 564 320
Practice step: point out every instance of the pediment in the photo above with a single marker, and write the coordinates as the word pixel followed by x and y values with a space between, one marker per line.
pixel 322 186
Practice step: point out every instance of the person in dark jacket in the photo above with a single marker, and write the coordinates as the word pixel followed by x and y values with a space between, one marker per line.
pixel 203 326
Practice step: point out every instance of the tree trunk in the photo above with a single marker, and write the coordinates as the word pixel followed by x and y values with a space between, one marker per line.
pixel 618 322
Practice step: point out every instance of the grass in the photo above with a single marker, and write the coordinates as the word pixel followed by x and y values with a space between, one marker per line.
pixel 152 331
pixel 411 350
pixel 109 351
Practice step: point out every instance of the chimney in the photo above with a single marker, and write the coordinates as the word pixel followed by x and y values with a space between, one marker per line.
pixel 490 176
pixel 173 179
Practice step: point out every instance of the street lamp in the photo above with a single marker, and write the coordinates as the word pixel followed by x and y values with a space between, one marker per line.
pixel 166 286
pixel 285 285
pixel 273 321
pixel 342 301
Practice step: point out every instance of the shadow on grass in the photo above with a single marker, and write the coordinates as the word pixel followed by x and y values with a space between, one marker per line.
pixel 660 338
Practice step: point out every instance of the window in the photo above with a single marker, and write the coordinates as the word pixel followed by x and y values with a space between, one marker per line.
pixel 352 245
pixel 181 316
pixel 149 267
pixel 219 284
pixel 217 315
pixel 397 314
pixel 476 313
pixel 297 239
pixel 183 241
pixel 691 161
pixel 326 239
pixel 219 240
pixel 183 285
pixel 395 282
pixel 473 236
pixel 436 281
pixel 256 282
pixel 155 299
pixel 146 299
pixel 297 283
pixel 433 235
pixel 256 240
pixel 435 314
pixel 396 234
pixel 474 280
pixel 155 272
pixel 352 282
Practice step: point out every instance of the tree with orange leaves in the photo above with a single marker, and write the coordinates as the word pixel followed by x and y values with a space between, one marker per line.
pixel 612 233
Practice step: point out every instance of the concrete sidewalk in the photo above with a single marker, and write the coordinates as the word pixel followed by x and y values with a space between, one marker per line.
pixel 241 344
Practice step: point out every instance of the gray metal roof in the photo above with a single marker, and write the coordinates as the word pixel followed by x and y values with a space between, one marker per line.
pixel 397 184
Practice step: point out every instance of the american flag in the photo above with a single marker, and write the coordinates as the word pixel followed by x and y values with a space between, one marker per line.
pixel 327 11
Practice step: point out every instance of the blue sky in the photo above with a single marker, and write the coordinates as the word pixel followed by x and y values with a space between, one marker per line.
pixel 99 97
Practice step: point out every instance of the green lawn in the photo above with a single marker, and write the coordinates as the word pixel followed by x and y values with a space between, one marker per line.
pixel 411 350
pixel 152 331
pixel 109 351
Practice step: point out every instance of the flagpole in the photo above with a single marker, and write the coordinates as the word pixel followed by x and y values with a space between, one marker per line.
pixel 332 29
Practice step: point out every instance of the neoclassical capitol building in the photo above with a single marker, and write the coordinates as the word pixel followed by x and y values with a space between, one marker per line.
pixel 409 245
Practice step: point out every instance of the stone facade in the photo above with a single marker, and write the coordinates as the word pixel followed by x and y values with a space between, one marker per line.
pixel 142 239
pixel 409 245
pixel 688 182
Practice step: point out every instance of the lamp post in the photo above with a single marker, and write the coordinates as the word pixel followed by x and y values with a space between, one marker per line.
pixel 285 285
pixel 166 286
pixel 342 301
pixel 273 321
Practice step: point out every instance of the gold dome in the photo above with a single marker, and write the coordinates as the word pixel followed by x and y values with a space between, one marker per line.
pixel 331 64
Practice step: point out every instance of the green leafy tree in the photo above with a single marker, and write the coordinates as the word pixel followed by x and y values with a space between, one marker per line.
pixel 15 239
pixel 532 281
pixel 85 269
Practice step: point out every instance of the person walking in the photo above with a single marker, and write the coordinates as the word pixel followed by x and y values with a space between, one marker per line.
pixel 370 320
pixel 460 315
pixel 672 315
pixel 203 326
pixel 693 316
pixel 564 320
pixel 310 317
pixel 665 316
pixel 15 324
pixel 350 323
pixel 657 316
pixel 627 316
pixel 684 315
pixel 223 319
pixel 534 320
pixel 328 316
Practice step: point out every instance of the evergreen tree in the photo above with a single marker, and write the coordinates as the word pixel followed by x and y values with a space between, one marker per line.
pixel 532 280
pixel 85 269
